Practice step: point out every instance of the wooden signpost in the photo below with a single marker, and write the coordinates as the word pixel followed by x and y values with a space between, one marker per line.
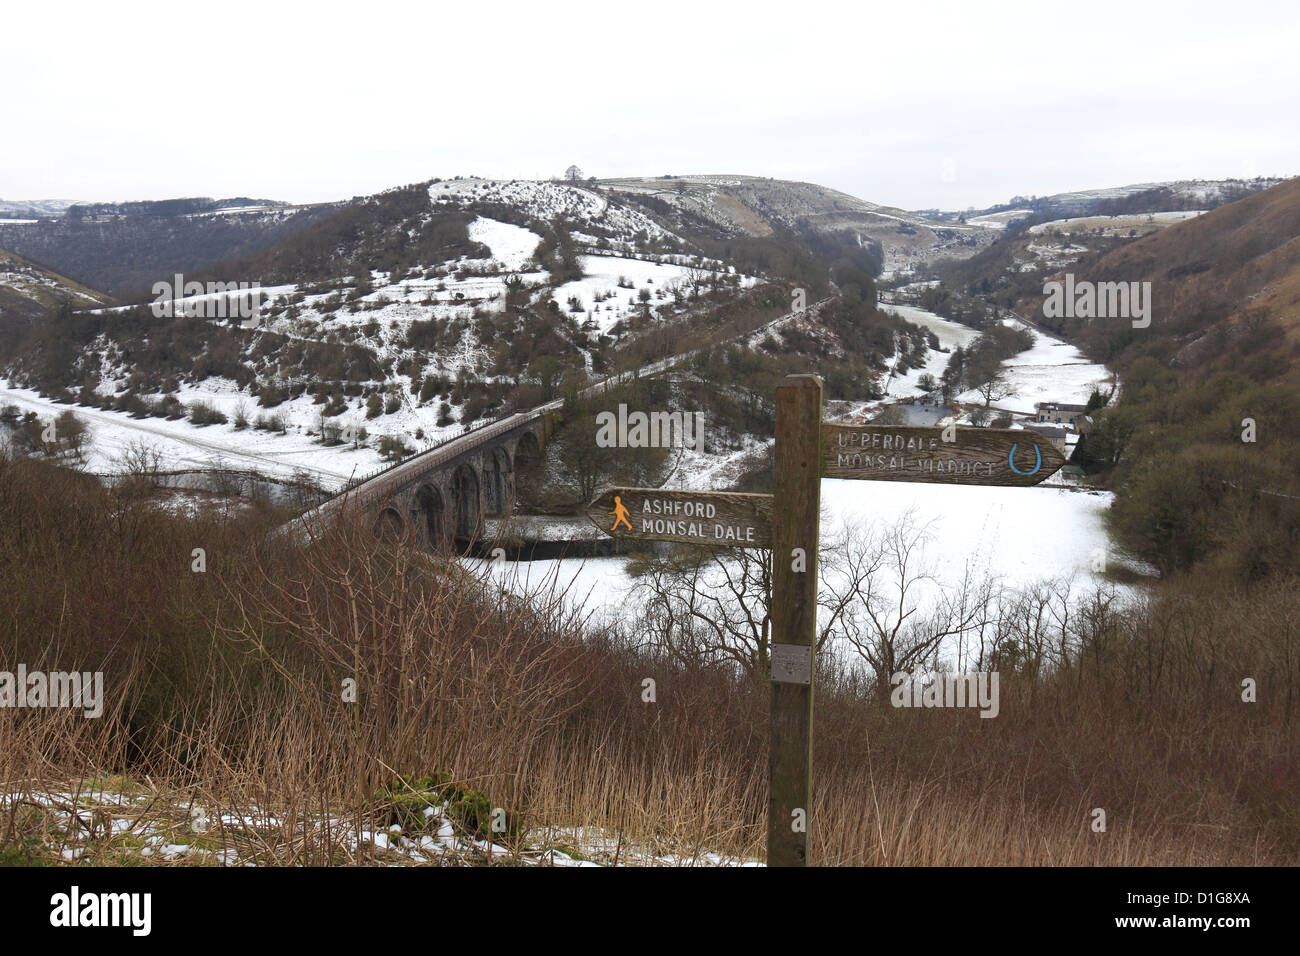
pixel 954 456
pixel 806 451
pixel 690 517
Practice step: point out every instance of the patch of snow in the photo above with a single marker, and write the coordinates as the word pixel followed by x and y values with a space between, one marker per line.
pixel 511 245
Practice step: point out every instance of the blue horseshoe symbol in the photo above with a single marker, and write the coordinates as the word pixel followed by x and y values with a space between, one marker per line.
pixel 1038 461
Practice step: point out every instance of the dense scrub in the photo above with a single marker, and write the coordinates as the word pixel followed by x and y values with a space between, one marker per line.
pixel 227 684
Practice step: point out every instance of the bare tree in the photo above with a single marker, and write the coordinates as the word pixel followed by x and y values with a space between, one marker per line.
pixel 878 579
pixel 995 389
pixel 713 606
pixel 696 279
pixel 140 460
pixel 706 607
pixel 709 606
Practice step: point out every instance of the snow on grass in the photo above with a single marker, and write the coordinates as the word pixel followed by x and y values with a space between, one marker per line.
pixel 547 201
pixel 30 282
pixel 1051 254
pixel 204 303
pixel 950 334
pixel 592 584
pixel 602 292
pixel 102 826
pixel 1114 225
pixel 511 245
pixel 231 211
pixel 1204 190
pixel 714 468
pixel 1019 535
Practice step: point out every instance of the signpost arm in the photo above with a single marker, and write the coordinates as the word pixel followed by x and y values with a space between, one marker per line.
pixel 797 496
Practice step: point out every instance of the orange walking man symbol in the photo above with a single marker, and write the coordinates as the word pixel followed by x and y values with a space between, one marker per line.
pixel 620 514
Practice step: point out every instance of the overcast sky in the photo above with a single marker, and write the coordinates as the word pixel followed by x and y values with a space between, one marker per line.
pixel 912 104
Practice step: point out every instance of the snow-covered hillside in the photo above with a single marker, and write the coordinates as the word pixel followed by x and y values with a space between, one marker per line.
pixel 611 289
pixel 117 441
pixel 1062 242
pixel 905 384
pixel 1209 192
pixel 440 342
pixel 1139 223
pixel 549 201
pixel 36 207
pixel 758 206
pixel 36 284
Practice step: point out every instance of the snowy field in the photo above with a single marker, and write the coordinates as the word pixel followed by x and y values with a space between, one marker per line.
pixel 1050 371
pixel 511 245
pixel 1050 254
pixel 1018 536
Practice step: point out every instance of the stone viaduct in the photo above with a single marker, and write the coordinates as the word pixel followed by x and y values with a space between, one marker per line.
pixel 447 492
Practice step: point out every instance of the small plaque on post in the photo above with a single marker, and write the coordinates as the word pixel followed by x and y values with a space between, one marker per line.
pixel 792 663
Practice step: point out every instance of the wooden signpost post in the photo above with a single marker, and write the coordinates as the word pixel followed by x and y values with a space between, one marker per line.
pixel 797 484
pixel 786 522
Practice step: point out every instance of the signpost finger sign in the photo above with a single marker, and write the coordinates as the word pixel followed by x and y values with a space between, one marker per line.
pixel 806 451
pixel 955 456
pixel 720 518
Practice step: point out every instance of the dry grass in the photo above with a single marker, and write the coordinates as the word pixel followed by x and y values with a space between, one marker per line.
pixel 226 694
